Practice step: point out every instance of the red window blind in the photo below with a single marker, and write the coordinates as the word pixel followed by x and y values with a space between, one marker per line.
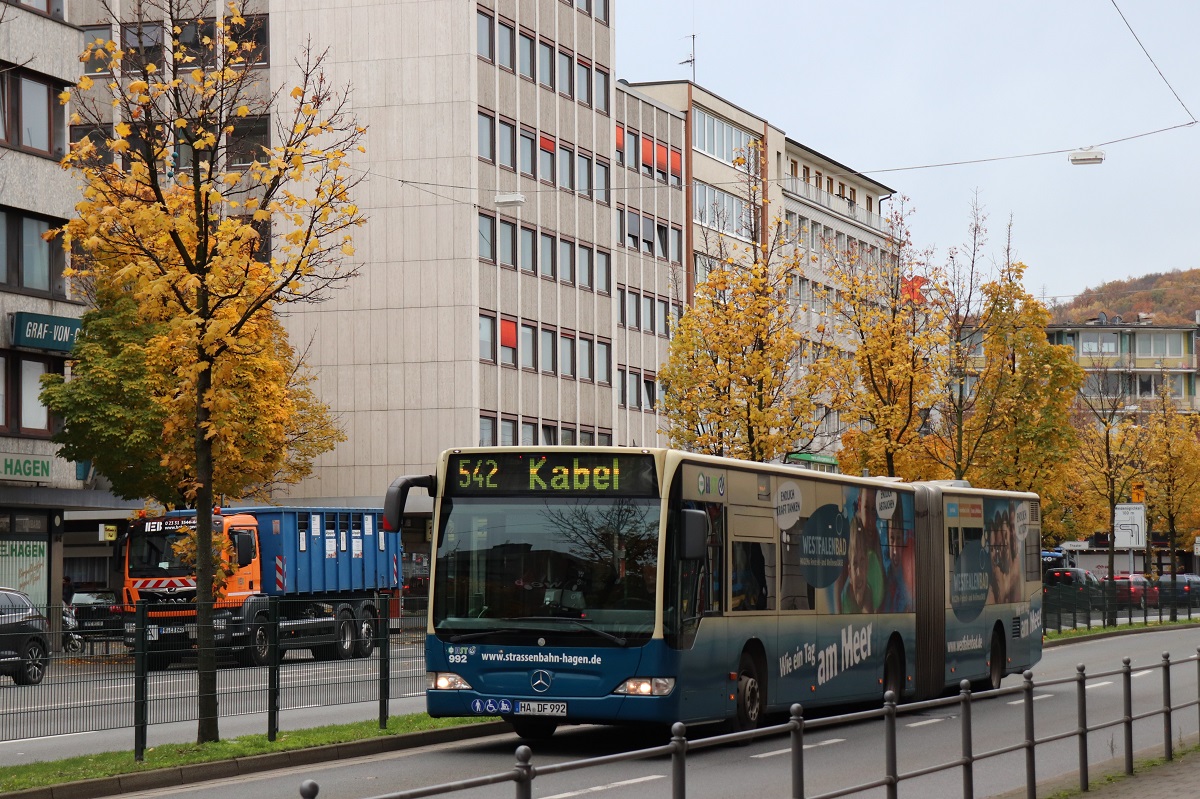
pixel 508 333
pixel 662 157
pixel 620 138
pixel 548 144
pixel 648 152
pixel 676 163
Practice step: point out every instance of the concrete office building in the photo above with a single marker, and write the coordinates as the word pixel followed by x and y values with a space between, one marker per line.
pixel 39 56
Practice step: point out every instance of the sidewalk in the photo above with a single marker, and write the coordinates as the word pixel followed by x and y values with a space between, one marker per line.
pixel 1178 777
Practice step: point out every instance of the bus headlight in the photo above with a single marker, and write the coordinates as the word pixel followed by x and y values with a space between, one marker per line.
pixel 445 681
pixel 646 686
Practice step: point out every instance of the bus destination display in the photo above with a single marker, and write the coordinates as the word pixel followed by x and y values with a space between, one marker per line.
pixel 573 474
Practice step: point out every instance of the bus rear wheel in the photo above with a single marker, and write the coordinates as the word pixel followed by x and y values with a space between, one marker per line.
pixel 893 671
pixel 995 666
pixel 750 699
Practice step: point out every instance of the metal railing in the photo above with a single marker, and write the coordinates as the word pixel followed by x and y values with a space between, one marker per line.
pixel 1071 606
pixel 98 683
pixel 843 205
pixel 524 771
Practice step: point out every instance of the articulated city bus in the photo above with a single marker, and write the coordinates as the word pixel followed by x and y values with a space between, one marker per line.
pixel 622 585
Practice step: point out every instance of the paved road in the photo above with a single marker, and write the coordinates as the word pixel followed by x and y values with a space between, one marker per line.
pixel 836 757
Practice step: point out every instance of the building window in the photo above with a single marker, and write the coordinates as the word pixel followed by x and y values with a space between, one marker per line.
pixel 647 235
pixel 619 145
pixel 27 260
pixel 603 271
pixel 528 347
pixel 547 255
pixel 649 393
pixel 583 175
pixel 566 261
pixel 96 37
pixel 633 229
pixel 583 83
pixel 487 338
pixel 647 156
pixel 587 438
pixel 528 250
pixel 676 251
pixel 564 73
pixel 676 168
pixel 631 148
pixel 603 362
pixel 720 139
pixel 600 10
pixel 507 244
pixel 504 46
pixel 487 431
pixel 603 439
pixel 249 141
pixel 568 437
pixel 487 238
pixel 661 162
pixel 483 35
pixel 546 64
pixel 584 5
pixel 546 159
pixel 143 45
pixel 508 342
pixel 528 147
pixel 32 119
pixel 660 238
pixel 661 317
pixel 487 125
pixel 549 435
pixel 548 352
pixel 529 432
pixel 583 268
pixel 566 168
pixel 586 370
pixel 601 102
pixel 508 432
pixel 566 356
pixel 601 182
pixel 647 313
pixel 506 153
pixel 525 55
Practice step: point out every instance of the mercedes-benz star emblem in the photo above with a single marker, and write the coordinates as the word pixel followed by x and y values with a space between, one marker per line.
pixel 540 680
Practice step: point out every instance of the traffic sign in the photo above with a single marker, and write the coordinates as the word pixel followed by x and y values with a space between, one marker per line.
pixel 1137 493
pixel 1130 525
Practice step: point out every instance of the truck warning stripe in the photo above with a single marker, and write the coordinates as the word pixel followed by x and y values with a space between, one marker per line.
pixel 165 582
pixel 280 574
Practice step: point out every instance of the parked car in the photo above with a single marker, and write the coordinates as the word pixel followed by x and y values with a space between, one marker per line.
pixel 1079 584
pixel 24 641
pixel 1132 590
pixel 98 614
pixel 1180 590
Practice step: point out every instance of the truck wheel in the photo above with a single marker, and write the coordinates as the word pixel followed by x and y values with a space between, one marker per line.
pixel 346 632
pixel 258 648
pixel 364 647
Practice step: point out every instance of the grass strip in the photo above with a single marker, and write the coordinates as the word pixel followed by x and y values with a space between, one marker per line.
pixel 1083 632
pixel 111 764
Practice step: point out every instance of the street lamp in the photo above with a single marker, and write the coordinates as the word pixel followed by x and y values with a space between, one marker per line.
pixel 1086 156
pixel 512 199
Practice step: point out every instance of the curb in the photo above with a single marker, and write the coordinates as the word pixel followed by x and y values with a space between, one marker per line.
pixel 200 772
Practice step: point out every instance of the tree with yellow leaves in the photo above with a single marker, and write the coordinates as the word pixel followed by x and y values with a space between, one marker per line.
pixel 735 382
pixel 890 310
pixel 1172 472
pixel 181 191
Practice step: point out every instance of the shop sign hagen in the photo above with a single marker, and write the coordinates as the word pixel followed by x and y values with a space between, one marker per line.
pixel 23 467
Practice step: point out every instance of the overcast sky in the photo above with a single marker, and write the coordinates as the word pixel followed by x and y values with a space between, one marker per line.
pixel 879 85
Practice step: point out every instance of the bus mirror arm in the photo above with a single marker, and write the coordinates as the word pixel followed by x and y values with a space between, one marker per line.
pixel 397 495
pixel 695 533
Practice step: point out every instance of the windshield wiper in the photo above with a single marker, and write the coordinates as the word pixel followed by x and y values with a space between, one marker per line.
pixel 616 639
pixel 454 639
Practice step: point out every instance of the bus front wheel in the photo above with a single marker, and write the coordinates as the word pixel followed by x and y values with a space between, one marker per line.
pixel 533 729
pixel 750 697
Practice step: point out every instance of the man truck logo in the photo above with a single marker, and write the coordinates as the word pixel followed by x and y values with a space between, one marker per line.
pixel 540 680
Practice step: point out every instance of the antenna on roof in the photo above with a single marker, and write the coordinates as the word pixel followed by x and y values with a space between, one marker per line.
pixel 691 59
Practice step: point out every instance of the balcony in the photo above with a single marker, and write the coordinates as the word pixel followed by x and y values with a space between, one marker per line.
pixel 840 205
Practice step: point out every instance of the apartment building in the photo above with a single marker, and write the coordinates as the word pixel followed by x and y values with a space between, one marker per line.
pixel 39 57
pixel 1132 358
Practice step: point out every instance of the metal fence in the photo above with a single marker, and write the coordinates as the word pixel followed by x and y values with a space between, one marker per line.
pixel 94 681
pixel 1067 607
pixel 524 771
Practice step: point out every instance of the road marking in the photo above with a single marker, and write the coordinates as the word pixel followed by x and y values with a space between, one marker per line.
pixel 1035 698
pixel 826 742
pixel 598 788
pixel 1097 685
pixel 1141 673
pixel 923 723
pixel 19 741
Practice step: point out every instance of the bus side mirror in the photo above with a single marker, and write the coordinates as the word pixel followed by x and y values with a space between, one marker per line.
pixel 695 534
pixel 397 495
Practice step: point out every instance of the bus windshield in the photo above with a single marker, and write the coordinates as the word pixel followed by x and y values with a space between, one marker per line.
pixel 572 566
